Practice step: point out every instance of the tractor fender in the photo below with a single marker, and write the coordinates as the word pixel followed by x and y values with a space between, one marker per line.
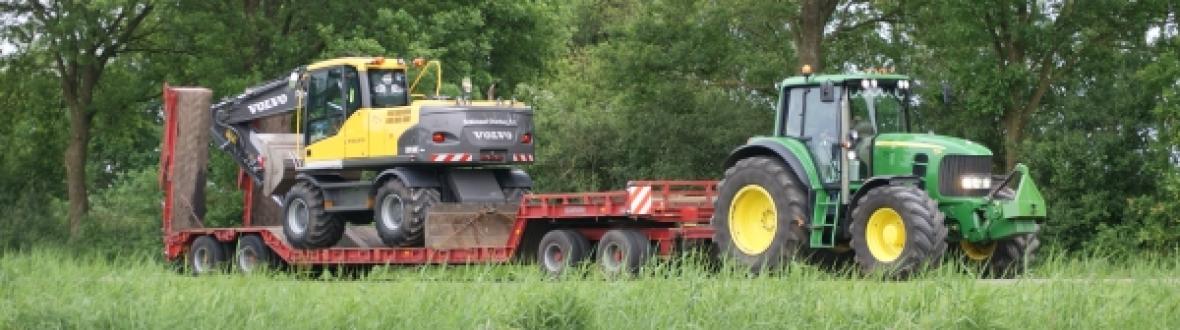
pixel 771 148
pixel 879 181
pixel 412 177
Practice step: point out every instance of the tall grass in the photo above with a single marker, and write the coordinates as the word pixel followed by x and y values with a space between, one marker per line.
pixel 45 289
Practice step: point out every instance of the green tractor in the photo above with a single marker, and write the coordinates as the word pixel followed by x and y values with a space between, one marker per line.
pixel 843 178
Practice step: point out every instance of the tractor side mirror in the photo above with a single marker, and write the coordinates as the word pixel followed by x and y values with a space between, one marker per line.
pixel 827 92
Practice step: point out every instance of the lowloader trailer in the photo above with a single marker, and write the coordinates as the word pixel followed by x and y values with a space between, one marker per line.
pixel 620 230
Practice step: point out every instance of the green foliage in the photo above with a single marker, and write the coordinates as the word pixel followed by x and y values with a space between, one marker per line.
pixel 55 289
pixel 555 310
pixel 664 98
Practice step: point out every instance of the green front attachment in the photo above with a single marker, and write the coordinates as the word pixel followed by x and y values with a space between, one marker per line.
pixel 1005 218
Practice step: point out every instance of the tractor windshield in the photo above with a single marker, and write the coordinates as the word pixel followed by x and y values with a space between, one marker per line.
pixel 877 110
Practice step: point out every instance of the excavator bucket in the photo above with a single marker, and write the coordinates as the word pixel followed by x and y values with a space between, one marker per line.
pixel 462 226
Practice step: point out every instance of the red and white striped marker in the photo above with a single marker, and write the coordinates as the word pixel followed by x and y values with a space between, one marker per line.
pixel 522 157
pixel 451 157
pixel 639 200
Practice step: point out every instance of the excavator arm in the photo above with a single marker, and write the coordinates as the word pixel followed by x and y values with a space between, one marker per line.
pixel 232 119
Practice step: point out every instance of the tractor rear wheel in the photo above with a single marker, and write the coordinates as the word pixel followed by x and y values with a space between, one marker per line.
pixel 759 214
pixel 305 223
pixel 897 231
pixel 621 252
pixel 561 249
pixel 401 213
pixel 1007 258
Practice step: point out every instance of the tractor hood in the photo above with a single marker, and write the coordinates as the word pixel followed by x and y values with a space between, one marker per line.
pixel 937 145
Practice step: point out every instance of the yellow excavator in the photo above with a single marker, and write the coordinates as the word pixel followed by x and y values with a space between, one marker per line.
pixel 368 145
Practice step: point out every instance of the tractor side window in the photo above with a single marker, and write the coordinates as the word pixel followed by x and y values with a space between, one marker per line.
pixel 794 104
pixel 882 108
pixel 326 105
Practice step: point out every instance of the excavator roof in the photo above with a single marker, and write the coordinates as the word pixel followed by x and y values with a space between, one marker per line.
pixel 361 63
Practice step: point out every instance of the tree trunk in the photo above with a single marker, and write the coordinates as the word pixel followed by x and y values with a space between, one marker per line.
pixel 1013 137
pixel 809 32
pixel 75 162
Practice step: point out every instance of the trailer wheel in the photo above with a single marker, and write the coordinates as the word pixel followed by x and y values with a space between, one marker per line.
pixel 253 256
pixel 622 252
pixel 401 212
pixel 759 214
pixel 898 230
pixel 560 249
pixel 205 256
pixel 305 223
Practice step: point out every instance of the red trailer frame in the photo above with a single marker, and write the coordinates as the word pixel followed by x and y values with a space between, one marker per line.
pixel 666 212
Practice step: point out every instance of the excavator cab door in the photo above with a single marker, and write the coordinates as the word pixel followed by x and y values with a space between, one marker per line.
pixel 327 108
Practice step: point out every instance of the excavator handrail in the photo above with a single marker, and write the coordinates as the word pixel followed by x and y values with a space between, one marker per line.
pixel 422 73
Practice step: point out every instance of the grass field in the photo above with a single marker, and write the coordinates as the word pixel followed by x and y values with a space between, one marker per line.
pixel 49 289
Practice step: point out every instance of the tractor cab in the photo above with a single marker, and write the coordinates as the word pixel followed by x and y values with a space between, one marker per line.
pixel 838 117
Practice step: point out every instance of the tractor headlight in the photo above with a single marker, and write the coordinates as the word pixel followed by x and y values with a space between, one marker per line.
pixel 975 182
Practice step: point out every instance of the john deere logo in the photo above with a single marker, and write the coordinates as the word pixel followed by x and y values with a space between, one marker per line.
pixel 494 135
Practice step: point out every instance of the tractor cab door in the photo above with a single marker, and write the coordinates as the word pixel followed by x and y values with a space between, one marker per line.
pixel 817 124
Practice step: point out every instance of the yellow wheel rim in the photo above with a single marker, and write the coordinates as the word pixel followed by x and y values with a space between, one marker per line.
pixel 885 234
pixel 978 252
pixel 753 220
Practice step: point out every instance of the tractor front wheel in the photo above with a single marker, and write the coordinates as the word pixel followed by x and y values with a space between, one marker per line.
pixel 897 231
pixel 1005 258
pixel 760 214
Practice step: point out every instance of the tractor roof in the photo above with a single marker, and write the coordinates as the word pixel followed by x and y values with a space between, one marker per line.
pixel 839 78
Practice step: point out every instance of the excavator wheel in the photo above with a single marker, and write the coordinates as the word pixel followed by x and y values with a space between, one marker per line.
pixel 400 213
pixel 305 223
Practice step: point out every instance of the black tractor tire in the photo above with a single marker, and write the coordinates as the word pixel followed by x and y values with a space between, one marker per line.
pixel 400 213
pixel 790 205
pixel 622 252
pixel 253 256
pixel 205 256
pixel 924 235
pixel 305 223
pixel 1009 258
pixel 560 250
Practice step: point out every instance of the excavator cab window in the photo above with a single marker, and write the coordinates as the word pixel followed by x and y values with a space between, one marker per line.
pixel 332 95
